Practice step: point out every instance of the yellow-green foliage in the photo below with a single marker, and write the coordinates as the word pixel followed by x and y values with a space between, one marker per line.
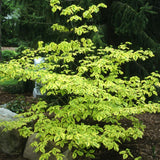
pixel 94 95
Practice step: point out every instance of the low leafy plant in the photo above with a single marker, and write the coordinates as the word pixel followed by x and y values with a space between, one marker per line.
pixel 90 94
pixel 8 55
pixel 18 105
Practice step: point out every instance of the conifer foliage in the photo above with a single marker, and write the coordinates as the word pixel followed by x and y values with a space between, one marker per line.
pixel 131 19
pixel 92 95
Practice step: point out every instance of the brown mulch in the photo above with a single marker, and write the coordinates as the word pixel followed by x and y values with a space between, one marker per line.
pixel 6 97
pixel 148 147
pixel 4 156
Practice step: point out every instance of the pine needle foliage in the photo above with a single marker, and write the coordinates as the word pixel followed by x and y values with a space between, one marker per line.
pixel 132 21
pixel 93 96
pixel 130 18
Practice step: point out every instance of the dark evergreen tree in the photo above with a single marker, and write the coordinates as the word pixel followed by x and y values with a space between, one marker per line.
pixel 134 21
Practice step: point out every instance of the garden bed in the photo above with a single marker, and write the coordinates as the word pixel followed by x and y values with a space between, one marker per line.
pixel 148 147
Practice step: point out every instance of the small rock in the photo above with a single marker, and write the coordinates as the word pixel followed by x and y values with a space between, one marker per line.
pixel 31 155
pixel 3 105
pixel 6 115
pixel 10 142
pixel 67 155
pixel 29 150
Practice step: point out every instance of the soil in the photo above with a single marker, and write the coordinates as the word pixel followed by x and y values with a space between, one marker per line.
pixel 148 147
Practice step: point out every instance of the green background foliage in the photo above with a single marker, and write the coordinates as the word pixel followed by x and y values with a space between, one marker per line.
pixel 8 55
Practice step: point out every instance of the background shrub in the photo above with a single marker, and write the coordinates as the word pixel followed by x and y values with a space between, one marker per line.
pixel 8 55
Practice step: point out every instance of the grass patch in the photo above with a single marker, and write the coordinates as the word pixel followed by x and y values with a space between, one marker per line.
pixel 16 87
pixel 11 86
pixel 8 82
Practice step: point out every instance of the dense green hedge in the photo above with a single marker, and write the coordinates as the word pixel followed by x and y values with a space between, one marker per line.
pixel 8 55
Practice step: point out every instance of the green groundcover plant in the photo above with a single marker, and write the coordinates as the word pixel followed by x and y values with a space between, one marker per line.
pixel 18 105
pixel 8 55
pixel 90 94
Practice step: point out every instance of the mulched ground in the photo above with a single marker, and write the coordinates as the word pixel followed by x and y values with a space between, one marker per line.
pixel 8 157
pixel 148 147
